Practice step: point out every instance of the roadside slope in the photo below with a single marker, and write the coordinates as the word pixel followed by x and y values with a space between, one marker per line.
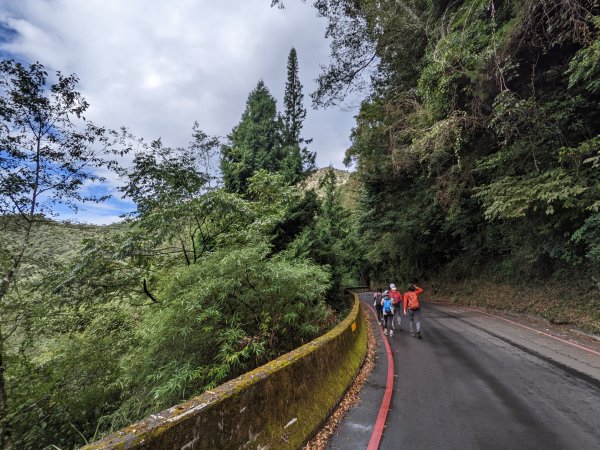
pixel 572 306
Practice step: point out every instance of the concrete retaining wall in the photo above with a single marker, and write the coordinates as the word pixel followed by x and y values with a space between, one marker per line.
pixel 277 406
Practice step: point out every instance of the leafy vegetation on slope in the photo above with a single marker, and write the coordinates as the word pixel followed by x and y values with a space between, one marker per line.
pixel 101 326
pixel 477 150
pixel 477 146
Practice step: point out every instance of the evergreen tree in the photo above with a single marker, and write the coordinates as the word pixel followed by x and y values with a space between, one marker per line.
pixel 299 160
pixel 295 113
pixel 254 143
pixel 331 238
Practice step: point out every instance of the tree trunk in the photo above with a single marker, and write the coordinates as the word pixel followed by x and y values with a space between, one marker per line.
pixel 7 280
pixel 5 440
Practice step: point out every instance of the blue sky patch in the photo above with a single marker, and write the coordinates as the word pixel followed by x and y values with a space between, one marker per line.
pixel 7 34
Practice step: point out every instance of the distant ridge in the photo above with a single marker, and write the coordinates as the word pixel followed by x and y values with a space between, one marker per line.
pixel 313 181
pixel 346 181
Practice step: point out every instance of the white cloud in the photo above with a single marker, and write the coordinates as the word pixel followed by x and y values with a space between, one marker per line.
pixel 91 217
pixel 156 66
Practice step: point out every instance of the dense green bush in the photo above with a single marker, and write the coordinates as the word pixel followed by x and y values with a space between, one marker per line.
pixel 131 325
pixel 481 154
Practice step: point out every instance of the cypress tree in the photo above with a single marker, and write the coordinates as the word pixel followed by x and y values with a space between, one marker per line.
pixel 299 160
pixel 254 143
pixel 295 113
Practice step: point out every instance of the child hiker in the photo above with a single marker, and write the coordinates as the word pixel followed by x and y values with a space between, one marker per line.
pixel 388 313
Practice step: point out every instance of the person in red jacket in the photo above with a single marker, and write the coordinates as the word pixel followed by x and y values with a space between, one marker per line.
pixel 411 300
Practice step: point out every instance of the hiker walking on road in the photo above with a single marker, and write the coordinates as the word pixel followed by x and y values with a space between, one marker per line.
pixel 411 300
pixel 396 297
pixel 377 296
pixel 388 313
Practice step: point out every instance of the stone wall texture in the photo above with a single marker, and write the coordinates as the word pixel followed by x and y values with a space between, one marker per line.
pixel 277 406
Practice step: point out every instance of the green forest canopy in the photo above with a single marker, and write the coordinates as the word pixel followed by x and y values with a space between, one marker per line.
pixel 101 326
pixel 477 152
pixel 477 144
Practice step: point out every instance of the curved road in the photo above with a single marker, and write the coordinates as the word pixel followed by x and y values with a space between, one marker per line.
pixel 477 381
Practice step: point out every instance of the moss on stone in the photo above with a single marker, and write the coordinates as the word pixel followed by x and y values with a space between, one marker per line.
pixel 254 409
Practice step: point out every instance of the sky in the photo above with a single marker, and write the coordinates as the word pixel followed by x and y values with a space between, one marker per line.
pixel 158 66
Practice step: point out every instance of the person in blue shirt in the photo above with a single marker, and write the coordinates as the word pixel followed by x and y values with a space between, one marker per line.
pixel 388 313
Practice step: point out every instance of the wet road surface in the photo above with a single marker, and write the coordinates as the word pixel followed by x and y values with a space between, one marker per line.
pixel 477 382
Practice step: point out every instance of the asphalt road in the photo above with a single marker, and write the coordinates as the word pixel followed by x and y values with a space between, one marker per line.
pixel 478 382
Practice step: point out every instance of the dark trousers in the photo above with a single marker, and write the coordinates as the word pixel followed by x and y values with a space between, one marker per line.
pixel 389 321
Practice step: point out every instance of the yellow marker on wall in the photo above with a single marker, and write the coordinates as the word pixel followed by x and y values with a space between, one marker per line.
pixel 353 327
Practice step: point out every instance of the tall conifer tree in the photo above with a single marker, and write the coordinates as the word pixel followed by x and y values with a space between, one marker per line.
pixel 295 113
pixel 255 143
pixel 299 159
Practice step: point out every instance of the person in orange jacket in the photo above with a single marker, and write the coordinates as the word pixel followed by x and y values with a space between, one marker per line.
pixel 411 300
pixel 396 297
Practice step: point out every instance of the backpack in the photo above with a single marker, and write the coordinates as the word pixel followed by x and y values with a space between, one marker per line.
pixel 396 297
pixel 413 301
pixel 377 299
pixel 387 306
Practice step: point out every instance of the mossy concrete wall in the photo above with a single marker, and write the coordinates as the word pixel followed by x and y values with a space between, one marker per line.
pixel 277 406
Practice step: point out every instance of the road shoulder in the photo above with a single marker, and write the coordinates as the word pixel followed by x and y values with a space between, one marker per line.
pixel 556 343
pixel 354 430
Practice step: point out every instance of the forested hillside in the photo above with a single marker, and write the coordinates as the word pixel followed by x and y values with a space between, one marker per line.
pixel 203 281
pixel 477 143
pixel 477 156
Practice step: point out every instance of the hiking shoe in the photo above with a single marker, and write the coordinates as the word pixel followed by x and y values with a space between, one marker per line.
pixel 385 332
pixel 412 333
pixel 419 334
pixel 391 333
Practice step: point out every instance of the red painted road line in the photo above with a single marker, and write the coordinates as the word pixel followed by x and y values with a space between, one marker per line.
pixel 387 396
pixel 581 347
